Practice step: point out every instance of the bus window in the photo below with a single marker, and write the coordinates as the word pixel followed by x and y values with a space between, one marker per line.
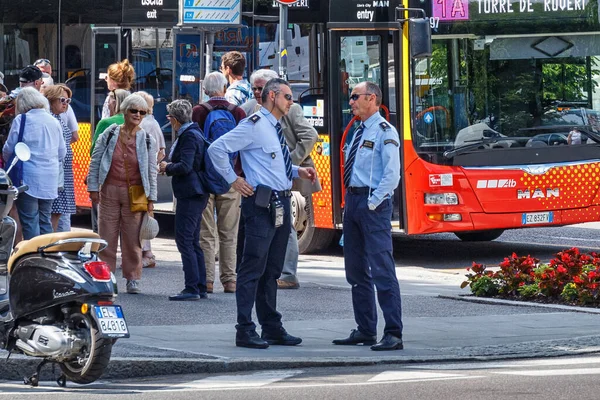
pixel 507 91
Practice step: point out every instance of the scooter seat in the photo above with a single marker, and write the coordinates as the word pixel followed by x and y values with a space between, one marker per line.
pixel 33 245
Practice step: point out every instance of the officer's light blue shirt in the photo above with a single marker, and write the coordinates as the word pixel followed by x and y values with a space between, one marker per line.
pixel 377 162
pixel 262 159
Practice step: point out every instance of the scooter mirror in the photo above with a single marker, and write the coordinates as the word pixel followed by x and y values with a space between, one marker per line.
pixel 22 151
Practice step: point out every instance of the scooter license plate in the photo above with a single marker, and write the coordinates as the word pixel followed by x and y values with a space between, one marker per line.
pixel 111 321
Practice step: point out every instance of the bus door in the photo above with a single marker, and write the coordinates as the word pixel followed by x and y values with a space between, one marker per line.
pixel 107 49
pixel 357 56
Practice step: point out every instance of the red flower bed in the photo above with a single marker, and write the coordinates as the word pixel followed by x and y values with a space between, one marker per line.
pixel 571 276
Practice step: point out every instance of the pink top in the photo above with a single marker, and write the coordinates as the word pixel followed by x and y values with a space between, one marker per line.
pixel 125 149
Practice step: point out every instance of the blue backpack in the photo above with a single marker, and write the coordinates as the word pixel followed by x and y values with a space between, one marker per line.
pixel 218 122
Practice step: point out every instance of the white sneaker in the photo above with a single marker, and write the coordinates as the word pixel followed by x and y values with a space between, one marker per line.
pixel 133 287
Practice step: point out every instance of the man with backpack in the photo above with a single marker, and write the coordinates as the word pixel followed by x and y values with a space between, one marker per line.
pixel 217 117
pixel 233 65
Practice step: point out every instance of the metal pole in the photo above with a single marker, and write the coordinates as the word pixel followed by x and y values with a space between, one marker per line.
pixel 210 43
pixel 283 22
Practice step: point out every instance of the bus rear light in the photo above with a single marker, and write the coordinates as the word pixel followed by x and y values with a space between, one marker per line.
pixel 99 270
pixel 441 198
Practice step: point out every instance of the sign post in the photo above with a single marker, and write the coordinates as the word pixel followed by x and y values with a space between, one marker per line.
pixel 283 22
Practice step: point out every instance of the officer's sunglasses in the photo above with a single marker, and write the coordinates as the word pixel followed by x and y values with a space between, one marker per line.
pixel 287 96
pixel 356 96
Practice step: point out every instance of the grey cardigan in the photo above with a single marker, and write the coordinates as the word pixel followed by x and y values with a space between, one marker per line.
pixel 101 161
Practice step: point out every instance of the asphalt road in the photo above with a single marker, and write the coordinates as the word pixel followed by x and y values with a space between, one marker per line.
pixel 535 379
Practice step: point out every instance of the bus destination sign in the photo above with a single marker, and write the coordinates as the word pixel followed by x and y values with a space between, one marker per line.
pixel 478 10
pixel 371 11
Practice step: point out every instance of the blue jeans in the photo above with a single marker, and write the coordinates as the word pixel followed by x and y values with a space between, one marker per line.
pixel 34 215
pixel 188 216
pixel 64 223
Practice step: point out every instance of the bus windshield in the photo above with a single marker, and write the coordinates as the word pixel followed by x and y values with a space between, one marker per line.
pixel 489 94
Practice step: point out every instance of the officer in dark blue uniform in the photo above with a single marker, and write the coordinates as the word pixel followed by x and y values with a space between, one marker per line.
pixel 265 210
pixel 371 173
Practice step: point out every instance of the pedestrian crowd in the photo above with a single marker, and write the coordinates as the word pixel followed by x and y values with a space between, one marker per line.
pixel 234 163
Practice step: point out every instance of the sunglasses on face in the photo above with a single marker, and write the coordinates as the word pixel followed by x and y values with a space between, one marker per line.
pixel 134 111
pixel 356 96
pixel 288 96
pixel 65 100
pixel 257 89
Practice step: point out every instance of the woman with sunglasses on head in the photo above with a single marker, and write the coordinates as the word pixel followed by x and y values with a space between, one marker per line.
pixel 124 156
pixel 119 75
pixel 59 97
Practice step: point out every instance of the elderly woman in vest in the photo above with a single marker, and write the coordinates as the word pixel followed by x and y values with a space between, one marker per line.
pixel 124 156
pixel 44 136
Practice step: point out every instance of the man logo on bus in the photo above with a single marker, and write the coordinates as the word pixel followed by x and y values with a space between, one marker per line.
pixel 538 193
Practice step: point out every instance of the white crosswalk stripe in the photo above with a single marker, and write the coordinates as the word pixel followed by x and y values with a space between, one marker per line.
pixel 416 376
pixel 253 380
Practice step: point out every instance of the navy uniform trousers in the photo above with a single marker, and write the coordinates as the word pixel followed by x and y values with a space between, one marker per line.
pixel 369 260
pixel 262 262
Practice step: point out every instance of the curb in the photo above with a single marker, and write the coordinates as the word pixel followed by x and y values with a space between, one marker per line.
pixel 488 300
pixel 127 368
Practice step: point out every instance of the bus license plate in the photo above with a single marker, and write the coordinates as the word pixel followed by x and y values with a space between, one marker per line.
pixel 111 321
pixel 538 218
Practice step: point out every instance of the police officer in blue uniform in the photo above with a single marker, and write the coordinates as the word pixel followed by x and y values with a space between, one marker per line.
pixel 266 195
pixel 371 173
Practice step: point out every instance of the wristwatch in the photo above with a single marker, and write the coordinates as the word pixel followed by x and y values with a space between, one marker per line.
pixel 372 206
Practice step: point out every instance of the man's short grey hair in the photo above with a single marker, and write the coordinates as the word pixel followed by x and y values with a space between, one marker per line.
pixel 263 74
pixel 149 99
pixel 214 84
pixel 181 110
pixel 372 88
pixel 134 101
pixel 273 85
pixel 29 98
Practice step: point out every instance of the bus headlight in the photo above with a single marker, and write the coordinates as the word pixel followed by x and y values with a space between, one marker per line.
pixel 441 198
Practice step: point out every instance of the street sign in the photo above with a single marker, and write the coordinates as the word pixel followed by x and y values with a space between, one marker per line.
pixel 287 2
pixel 213 12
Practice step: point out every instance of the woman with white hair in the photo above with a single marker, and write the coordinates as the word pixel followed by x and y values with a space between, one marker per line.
pixel 150 125
pixel 124 156
pixel 44 136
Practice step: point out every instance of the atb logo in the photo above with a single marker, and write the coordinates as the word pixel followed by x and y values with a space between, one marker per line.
pixel 496 184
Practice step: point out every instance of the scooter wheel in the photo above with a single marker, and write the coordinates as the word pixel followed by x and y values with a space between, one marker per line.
pixel 95 356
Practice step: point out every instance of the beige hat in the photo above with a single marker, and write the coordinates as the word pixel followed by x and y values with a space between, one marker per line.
pixel 149 228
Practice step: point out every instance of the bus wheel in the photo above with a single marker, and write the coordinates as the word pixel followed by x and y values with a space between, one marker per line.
pixel 479 236
pixel 310 239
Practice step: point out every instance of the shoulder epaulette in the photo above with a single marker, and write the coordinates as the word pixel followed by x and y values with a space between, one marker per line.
pixel 385 126
pixel 254 118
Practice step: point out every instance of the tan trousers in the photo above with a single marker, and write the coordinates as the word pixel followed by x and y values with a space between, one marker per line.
pixel 228 218
pixel 115 220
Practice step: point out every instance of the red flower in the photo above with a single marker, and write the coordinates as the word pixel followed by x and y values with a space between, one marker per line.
pixel 561 269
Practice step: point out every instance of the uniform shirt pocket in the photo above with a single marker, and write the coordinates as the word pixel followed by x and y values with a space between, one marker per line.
pixel 274 153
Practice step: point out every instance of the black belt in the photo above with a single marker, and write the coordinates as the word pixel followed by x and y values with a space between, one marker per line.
pixel 359 190
pixel 283 193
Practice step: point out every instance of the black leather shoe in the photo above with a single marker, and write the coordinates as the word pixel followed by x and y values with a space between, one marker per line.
pixel 250 339
pixel 284 339
pixel 356 337
pixel 185 296
pixel 388 342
